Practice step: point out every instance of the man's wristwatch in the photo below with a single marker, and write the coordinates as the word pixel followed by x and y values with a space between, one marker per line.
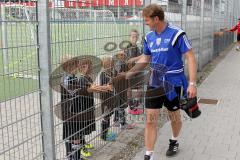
pixel 193 84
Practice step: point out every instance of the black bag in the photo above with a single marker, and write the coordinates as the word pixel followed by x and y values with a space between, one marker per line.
pixel 190 106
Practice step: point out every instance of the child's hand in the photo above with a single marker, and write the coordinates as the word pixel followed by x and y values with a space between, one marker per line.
pixel 98 88
pixel 106 88
pixel 94 88
pixel 109 87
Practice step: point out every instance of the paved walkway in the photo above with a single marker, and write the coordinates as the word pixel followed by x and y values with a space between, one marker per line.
pixel 215 135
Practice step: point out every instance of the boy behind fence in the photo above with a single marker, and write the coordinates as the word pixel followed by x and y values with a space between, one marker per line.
pixel 121 88
pixel 77 98
pixel 108 98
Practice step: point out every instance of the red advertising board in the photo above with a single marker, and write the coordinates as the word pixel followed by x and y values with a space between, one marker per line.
pixel 73 4
pixel 100 3
pixel 29 4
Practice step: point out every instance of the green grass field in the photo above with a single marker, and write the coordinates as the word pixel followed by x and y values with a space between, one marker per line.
pixel 12 87
pixel 66 38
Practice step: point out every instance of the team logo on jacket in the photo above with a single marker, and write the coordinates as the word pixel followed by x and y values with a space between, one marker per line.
pixel 158 41
pixel 151 44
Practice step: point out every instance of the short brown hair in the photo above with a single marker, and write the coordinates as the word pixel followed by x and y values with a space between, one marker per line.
pixel 135 31
pixel 69 63
pixel 152 11
pixel 84 61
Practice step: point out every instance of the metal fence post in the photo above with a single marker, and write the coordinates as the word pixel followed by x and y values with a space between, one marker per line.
pixel 238 12
pixel 44 55
pixel 184 22
pixel 213 29
pixel 220 14
pixel 201 35
pixel 236 5
pixel 184 15
pixel 4 39
pixel 145 3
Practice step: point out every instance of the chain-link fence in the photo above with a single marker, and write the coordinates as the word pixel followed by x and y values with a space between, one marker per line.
pixel 64 42
pixel 204 22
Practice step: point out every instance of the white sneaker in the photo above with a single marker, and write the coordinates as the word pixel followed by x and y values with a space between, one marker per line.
pixel 238 48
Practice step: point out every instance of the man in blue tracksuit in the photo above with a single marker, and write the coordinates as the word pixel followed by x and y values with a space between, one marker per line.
pixel 164 47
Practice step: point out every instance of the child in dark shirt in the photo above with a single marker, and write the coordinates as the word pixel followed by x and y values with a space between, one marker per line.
pixel 133 54
pixel 77 98
pixel 69 103
pixel 108 98
pixel 121 91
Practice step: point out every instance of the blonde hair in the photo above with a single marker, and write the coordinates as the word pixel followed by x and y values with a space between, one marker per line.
pixel 107 62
